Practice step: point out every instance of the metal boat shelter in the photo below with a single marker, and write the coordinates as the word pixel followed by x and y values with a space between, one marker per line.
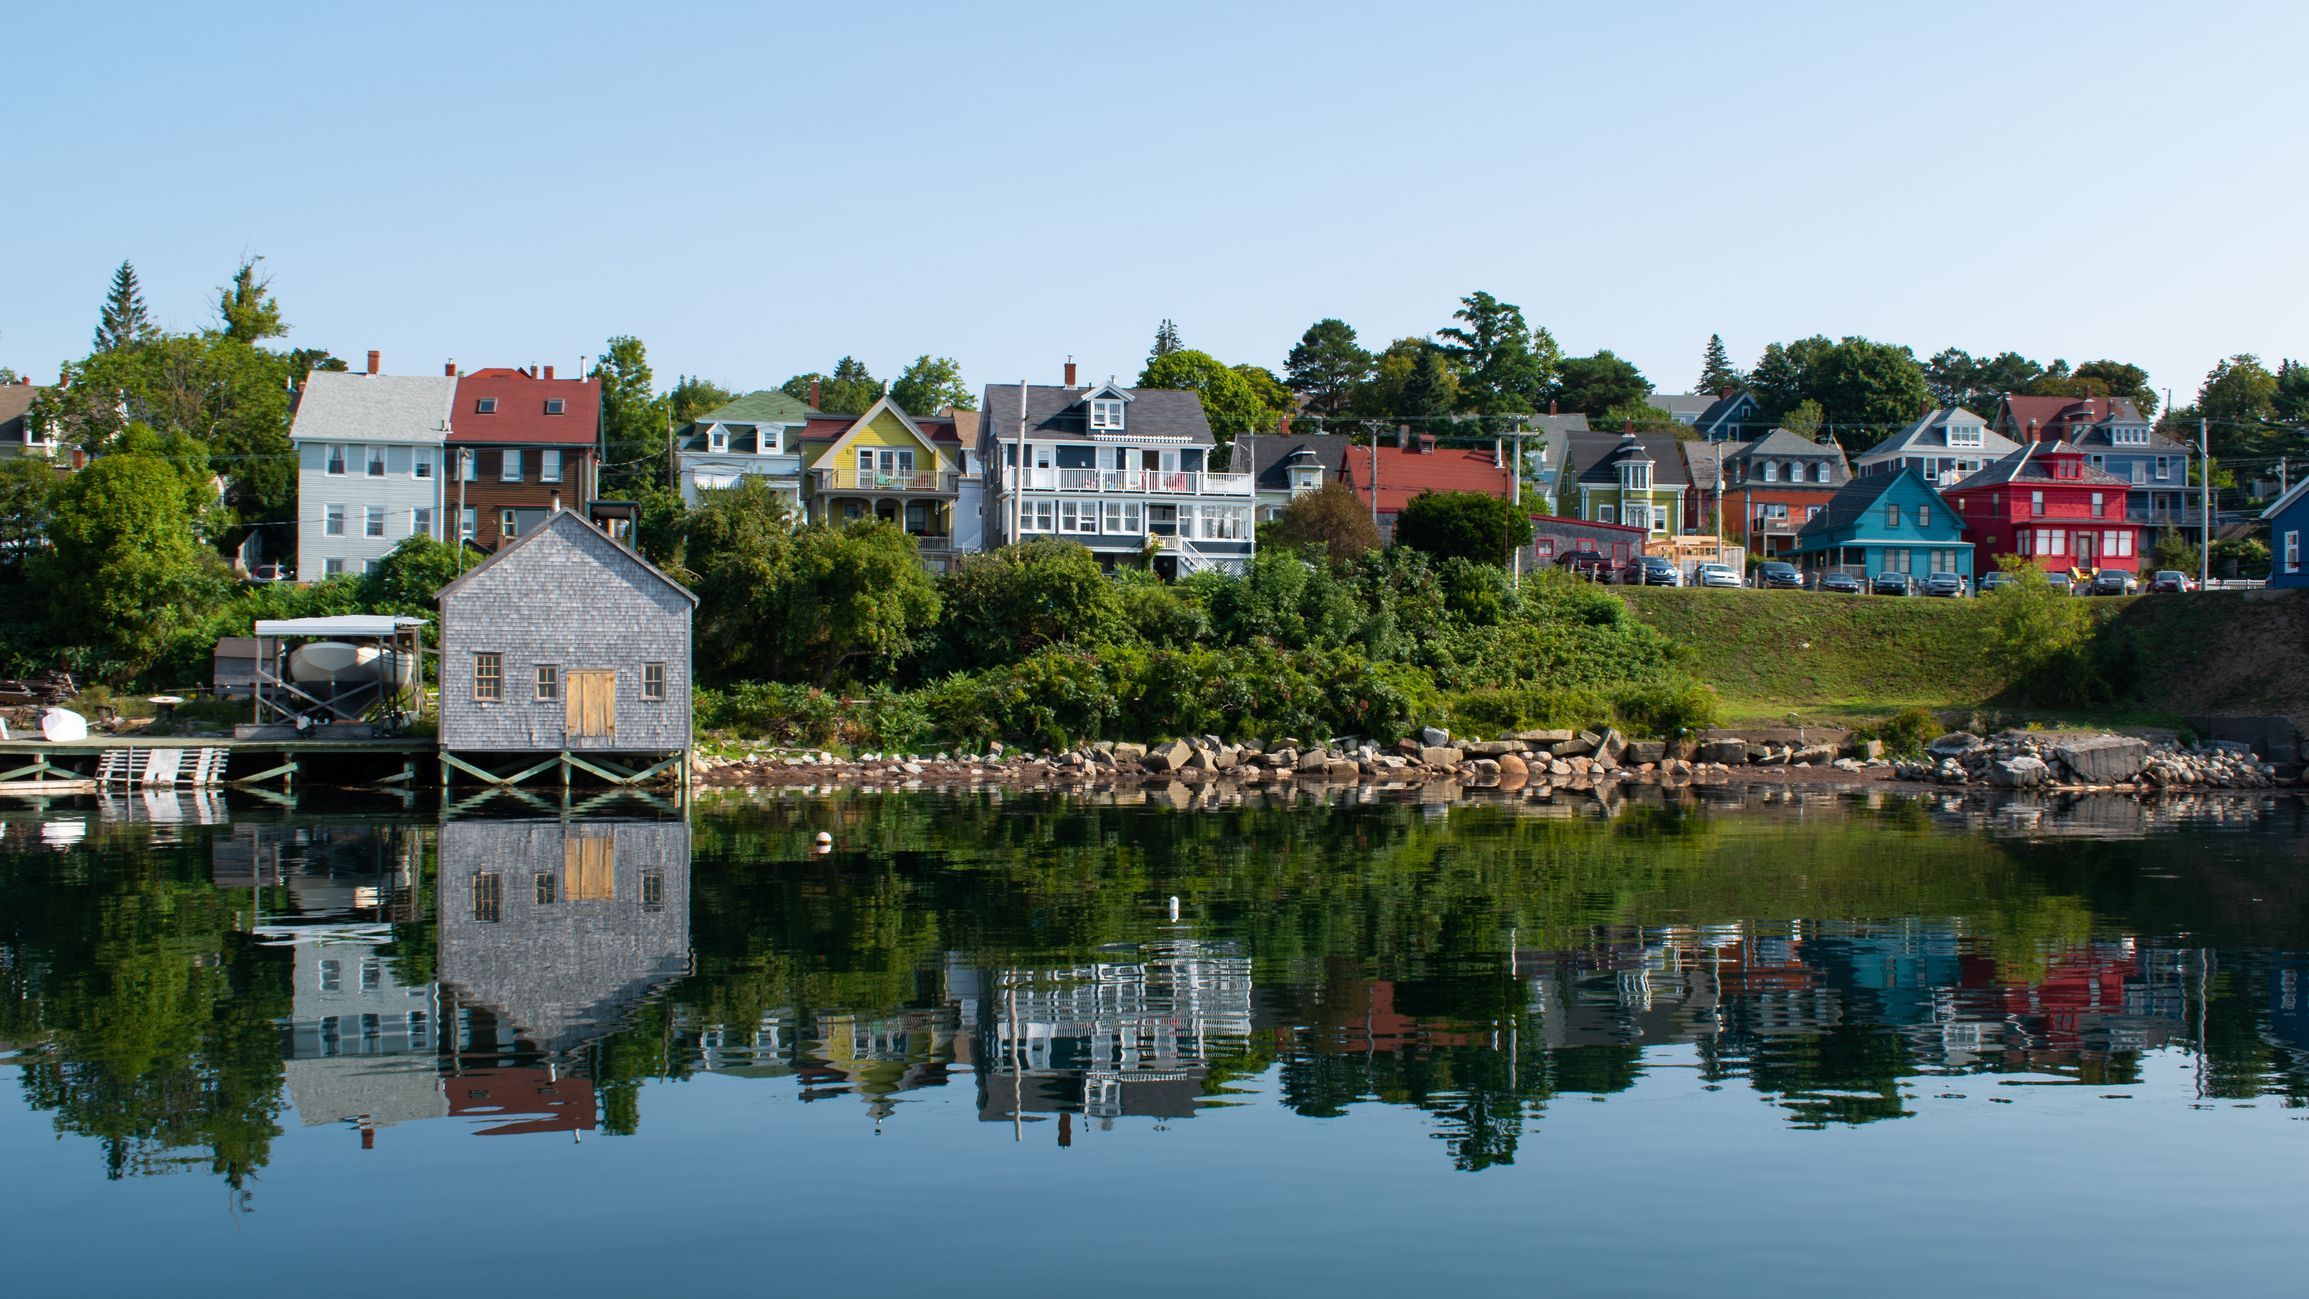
pixel 385 699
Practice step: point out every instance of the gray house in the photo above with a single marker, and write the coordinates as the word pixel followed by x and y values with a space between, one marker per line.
pixel 369 466
pixel 1286 466
pixel 566 643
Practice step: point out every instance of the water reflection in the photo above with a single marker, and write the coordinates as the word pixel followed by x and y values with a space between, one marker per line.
pixel 173 989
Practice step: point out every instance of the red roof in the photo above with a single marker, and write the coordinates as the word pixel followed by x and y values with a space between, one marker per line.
pixel 2063 416
pixel 519 418
pixel 1404 474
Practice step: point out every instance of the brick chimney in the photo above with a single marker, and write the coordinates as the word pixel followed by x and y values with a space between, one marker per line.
pixel 1427 444
pixel 448 369
pixel 1283 427
pixel 1403 437
pixel 549 372
pixel 814 394
pixel 1724 393
pixel 373 360
pixel 1551 405
pixel 1070 372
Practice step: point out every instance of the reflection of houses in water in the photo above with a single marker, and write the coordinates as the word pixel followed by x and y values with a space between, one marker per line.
pixel 360 1044
pixel 333 871
pixel 521 1100
pixel 552 931
pixel 1113 1037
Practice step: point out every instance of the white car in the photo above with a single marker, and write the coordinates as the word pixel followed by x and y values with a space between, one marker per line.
pixel 1715 575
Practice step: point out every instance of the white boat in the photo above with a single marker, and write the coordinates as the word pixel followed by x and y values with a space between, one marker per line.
pixel 63 726
pixel 339 664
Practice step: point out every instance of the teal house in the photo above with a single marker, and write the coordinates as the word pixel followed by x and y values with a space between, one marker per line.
pixel 1885 523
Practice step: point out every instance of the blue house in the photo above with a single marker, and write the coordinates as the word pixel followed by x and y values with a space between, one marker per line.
pixel 1885 523
pixel 2288 520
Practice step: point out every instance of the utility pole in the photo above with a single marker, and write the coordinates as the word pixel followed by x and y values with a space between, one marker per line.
pixel 1018 483
pixel 464 471
pixel 2205 495
pixel 1515 498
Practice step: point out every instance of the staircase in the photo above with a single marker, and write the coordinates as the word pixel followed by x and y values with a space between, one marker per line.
pixel 129 766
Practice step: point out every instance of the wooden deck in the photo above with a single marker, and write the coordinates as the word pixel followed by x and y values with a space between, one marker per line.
pixel 193 761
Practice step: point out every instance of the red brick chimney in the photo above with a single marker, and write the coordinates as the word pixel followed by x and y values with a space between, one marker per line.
pixel 448 369
pixel 1283 427
pixel 1551 405
pixel 1724 393
pixel 1070 372
pixel 813 394
pixel 372 360
pixel 549 372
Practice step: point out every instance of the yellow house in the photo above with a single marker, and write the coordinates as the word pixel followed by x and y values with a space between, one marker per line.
pixel 885 463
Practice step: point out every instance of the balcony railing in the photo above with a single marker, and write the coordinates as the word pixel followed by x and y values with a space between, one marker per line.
pixel 1158 482
pixel 926 481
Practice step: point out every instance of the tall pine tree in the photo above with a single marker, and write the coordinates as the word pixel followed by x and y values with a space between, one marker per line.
pixel 124 319
pixel 1716 369
pixel 1166 341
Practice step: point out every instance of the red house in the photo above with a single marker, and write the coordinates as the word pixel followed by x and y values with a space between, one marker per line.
pixel 2047 503
pixel 522 444
pixel 1402 472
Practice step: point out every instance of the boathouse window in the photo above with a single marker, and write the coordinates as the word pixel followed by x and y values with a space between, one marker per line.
pixel 488 678
pixel 332 976
pixel 488 897
pixel 653 890
pixel 653 680
pixel 547 888
pixel 548 682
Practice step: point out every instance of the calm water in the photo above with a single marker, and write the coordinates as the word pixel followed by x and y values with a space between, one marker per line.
pixel 1810 1044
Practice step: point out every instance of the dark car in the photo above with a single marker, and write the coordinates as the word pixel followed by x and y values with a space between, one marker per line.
pixel 1774 575
pixel 2111 581
pixel 1944 585
pixel 1996 582
pixel 2172 581
pixel 1891 584
pixel 1590 564
pixel 1840 584
pixel 2061 582
pixel 1656 570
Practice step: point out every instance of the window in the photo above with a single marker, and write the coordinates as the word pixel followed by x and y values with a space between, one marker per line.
pixel 421 464
pixel 1964 435
pixel 553 406
pixel 1924 516
pixel 335 468
pixel 2036 504
pixel 1899 560
pixel 508 524
pixel 2059 539
pixel 549 466
pixel 653 680
pixel 548 682
pixel 421 521
pixel 485 406
pixel 1820 472
pixel 1223 522
pixel 466 524
pixel 334 566
pixel 1038 516
pixel 488 678
pixel 717 439
pixel 1106 414
pixel 488 897
pixel 332 976
pixel 2140 471
pixel 509 469
pixel 373 521
pixel 1123 518
pixel 368 566
pixel 2118 544
pixel 653 890
pixel 1603 514
pixel 2100 507
pixel 1771 471
pixel 548 888
pixel 372 974
pixel 332 520
pixel 2164 468
pixel 1892 515
pixel 2293 552
pixel 1636 475
pixel 1811 512
pixel 376 461
pixel 1078 516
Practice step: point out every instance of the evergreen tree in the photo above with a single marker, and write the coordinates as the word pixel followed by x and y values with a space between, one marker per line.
pixel 1327 365
pixel 247 308
pixel 124 319
pixel 1716 369
pixel 1166 341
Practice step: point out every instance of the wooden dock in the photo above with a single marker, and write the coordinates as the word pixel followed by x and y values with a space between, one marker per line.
pixel 29 766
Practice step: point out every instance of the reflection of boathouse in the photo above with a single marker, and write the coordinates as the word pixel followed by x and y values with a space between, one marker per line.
pixel 1113 1037
pixel 553 930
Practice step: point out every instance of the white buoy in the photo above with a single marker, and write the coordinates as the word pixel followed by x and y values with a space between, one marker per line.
pixel 1174 906
pixel 825 839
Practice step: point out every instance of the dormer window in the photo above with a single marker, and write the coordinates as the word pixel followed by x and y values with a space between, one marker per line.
pixel 769 439
pixel 1771 471
pixel 485 406
pixel 1636 475
pixel 554 406
pixel 717 439
pixel 1964 435
pixel 2132 437
pixel 1106 415
pixel 1820 472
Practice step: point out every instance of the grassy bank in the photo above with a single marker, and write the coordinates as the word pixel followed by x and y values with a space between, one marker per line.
pixel 1837 658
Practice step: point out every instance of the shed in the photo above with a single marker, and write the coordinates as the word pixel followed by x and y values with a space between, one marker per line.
pixel 566 645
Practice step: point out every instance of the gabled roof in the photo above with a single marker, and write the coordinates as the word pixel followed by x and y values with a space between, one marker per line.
pixel 741 418
pixel 2288 500
pixel 1854 499
pixel 520 417
pixel 1929 435
pixel 351 406
pixel 883 405
pixel 1270 456
pixel 15 400
pixel 1055 414
pixel 1596 456
pixel 1404 474
pixel 1683 405
pixel 1726 410
pixel 1702 460
pixel 2032 464
pixel 559 521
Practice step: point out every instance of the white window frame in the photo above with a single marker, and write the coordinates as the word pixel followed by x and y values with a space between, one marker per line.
pixel 372 520
pixel 1122 519
pixel 373 464
pixel 556 406
pixel 2293 551
pixel 421 464
pixel 1078 517
pixel 508 524
pixel 717 439
pixel 1771 471
pixel 333 566
pixel 549 465
pixel 421 521
pixel 1107 414
pixel 1037 516
pixel 469 524
pixel 509 465
pixel 333 457
pixel 1965 435
pixel 769 439
pixel 1605 514
pixel 2035 503
pixel 333 520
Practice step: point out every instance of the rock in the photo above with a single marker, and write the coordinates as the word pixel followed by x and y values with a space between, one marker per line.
pixel 1511 765
pixel 2019 772
pixel 1867 750
pixel 1567 748
pixel 1314 760
pixel 1491 748
pixel 1169 757
pixel 1954 744
pixel 1487 766
pixel 1225 757
pixel 1846 764
pixel 1537 738
pixel 1433 737
pixel 1122 752
pixel 1558 769
pixel 2103 759
pixel 1436 755
pixel 1644 753
pixel 1611 745
pixel 1343 770
pixel 1730 753
pixel 1812 755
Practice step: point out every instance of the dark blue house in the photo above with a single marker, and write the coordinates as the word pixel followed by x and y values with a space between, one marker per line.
pixel 1885 523
pixel 2288 520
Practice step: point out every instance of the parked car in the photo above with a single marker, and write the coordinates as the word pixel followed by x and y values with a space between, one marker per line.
pixel 2173 581
pixel 2111 581
pixel 1840 583
pixel 1716 575
pixel 1891 584
pixel 1996 581
pixel 269 573
pixel 1656 570
pixel 1590 564
pixel 2061 582
pixel 1944 585
pixel 1777 575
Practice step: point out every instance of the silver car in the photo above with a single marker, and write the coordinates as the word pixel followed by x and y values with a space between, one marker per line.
pixel 1715 575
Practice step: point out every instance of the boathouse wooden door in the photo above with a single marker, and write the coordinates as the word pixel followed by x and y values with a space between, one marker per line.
pixel 592 706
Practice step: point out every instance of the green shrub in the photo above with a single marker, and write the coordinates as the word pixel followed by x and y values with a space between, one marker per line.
pixel 1908 731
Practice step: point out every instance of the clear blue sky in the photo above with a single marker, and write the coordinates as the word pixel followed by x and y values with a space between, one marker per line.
pixel 755 190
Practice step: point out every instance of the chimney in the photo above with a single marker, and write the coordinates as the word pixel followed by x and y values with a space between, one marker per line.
pixel 813 394
pixel 1629 429
pixel 372 360
pixel 549 372
pixel 448 369
pixel 1403 437
pixel 1427 444
pixel 2032 431
pixel 1283 427
pixel 1070 372
pixel 1724 393
pixel 1551 405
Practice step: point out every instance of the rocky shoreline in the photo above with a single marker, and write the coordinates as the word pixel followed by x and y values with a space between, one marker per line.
pixel 1536 762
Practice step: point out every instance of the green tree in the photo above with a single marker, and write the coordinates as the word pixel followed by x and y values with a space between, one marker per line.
pixel 1001 606
pixel 27 484
pixel 1430 392
pixel 1869 388
pixel 2239 397
pixel 1166 341
pixel 734 548
pixel 1646 418
pixel 1326 367
pixel 930 385
pixel 2040 633
pixel 1468 525
pixel 246 307
pixel 1717 372
pixel 1330 524
pixel 1780 375
pixel 2292 398
pixel 1805 420
pixel 124 319
pixel 2117 379
pixel 853 603
pixel 849 390
pixel 692 396
pixel 1275 400
pixel 410 575
pixel 1388 394
pixel 1592 385
pixel 126 566
pixel 633 418
pixel 1229 403
pixel 1502 370
pixel 2172 550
